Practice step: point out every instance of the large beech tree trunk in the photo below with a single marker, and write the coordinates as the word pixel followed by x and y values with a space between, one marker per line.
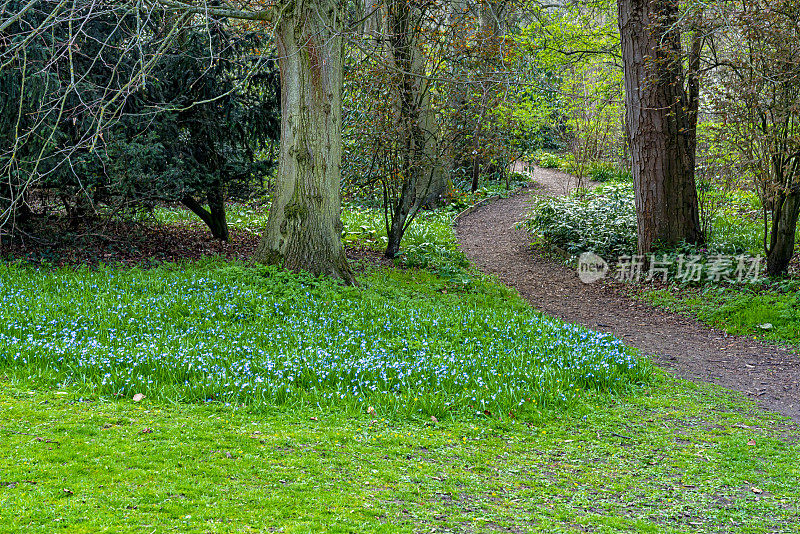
pixel 304 226
pixel 661 119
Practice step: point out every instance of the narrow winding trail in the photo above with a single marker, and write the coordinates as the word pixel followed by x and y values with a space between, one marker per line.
pixel 768 374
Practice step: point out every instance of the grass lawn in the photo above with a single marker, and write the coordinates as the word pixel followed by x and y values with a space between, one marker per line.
pixel 670 457
pixel 770 314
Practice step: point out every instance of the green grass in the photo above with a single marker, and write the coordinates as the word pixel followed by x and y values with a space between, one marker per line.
pixel 736 309
pixel 537 426
pixel 248 217
pixel 600 171
pixel 429 243
pixel 674 457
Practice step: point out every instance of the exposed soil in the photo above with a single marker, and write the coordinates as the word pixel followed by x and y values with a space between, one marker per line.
pixel 766 373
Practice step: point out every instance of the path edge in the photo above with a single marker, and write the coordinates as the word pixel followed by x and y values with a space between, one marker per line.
pixel 489 200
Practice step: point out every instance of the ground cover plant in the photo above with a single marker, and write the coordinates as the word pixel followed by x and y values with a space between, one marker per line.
pixel 601 220
pixel 260 335
pixel 770 312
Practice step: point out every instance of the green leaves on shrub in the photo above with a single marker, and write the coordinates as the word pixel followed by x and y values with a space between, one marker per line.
pixel 602 220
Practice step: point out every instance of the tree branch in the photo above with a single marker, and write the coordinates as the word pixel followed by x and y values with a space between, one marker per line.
pixel 267 14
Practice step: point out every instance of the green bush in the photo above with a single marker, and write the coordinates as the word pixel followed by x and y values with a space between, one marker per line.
pixel 602 220
pixel 600 171
pixel 548 160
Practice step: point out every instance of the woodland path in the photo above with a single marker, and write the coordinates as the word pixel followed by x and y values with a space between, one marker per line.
pixel 766 373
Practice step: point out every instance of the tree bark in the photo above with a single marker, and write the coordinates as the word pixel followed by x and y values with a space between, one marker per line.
pixel 785 212
pixel 214 216
pixel 432 185
pixel 661 124
pixel 304 227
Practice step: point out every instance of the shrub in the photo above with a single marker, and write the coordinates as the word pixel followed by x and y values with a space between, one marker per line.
pixel 548 160
pixel 607 172
pixel 602 220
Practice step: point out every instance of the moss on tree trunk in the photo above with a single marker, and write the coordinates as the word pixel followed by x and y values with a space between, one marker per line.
pixel 304 226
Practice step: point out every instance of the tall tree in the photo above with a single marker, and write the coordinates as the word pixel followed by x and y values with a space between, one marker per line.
pixel 757 94
pixel 304 226
pixel 421 170
pixel 661 123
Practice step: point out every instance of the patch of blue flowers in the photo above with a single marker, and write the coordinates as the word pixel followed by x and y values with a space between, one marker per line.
pixel 259 335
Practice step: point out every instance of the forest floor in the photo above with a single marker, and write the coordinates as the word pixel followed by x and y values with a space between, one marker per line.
pixel 766 373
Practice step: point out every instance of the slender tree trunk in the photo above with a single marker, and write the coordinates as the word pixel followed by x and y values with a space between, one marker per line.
pixel 400 214
pixel 785 212
pixel 476 173
pixel 304 226
pixel 661 124
pixel 214 216
pixel 422 172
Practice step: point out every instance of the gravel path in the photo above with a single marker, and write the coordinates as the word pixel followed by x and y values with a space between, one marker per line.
pixel 768 374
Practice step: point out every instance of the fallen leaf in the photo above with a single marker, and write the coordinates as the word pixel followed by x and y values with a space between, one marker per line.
pixel 147 431
pixel 314 419
pixel 138 397
pixel 751 443
pixel 756 490
pixel 67 491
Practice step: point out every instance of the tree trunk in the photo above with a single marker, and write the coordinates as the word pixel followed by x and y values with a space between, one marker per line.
pixel 458 161
pixel 782 235
pixel 476 173
pixel 661 124
pixel 423 175
pixel 400 214
pixel 432 183
pixel 304 226
pixel 214 216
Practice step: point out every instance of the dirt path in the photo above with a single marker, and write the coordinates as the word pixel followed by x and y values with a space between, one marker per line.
pixel 768 374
